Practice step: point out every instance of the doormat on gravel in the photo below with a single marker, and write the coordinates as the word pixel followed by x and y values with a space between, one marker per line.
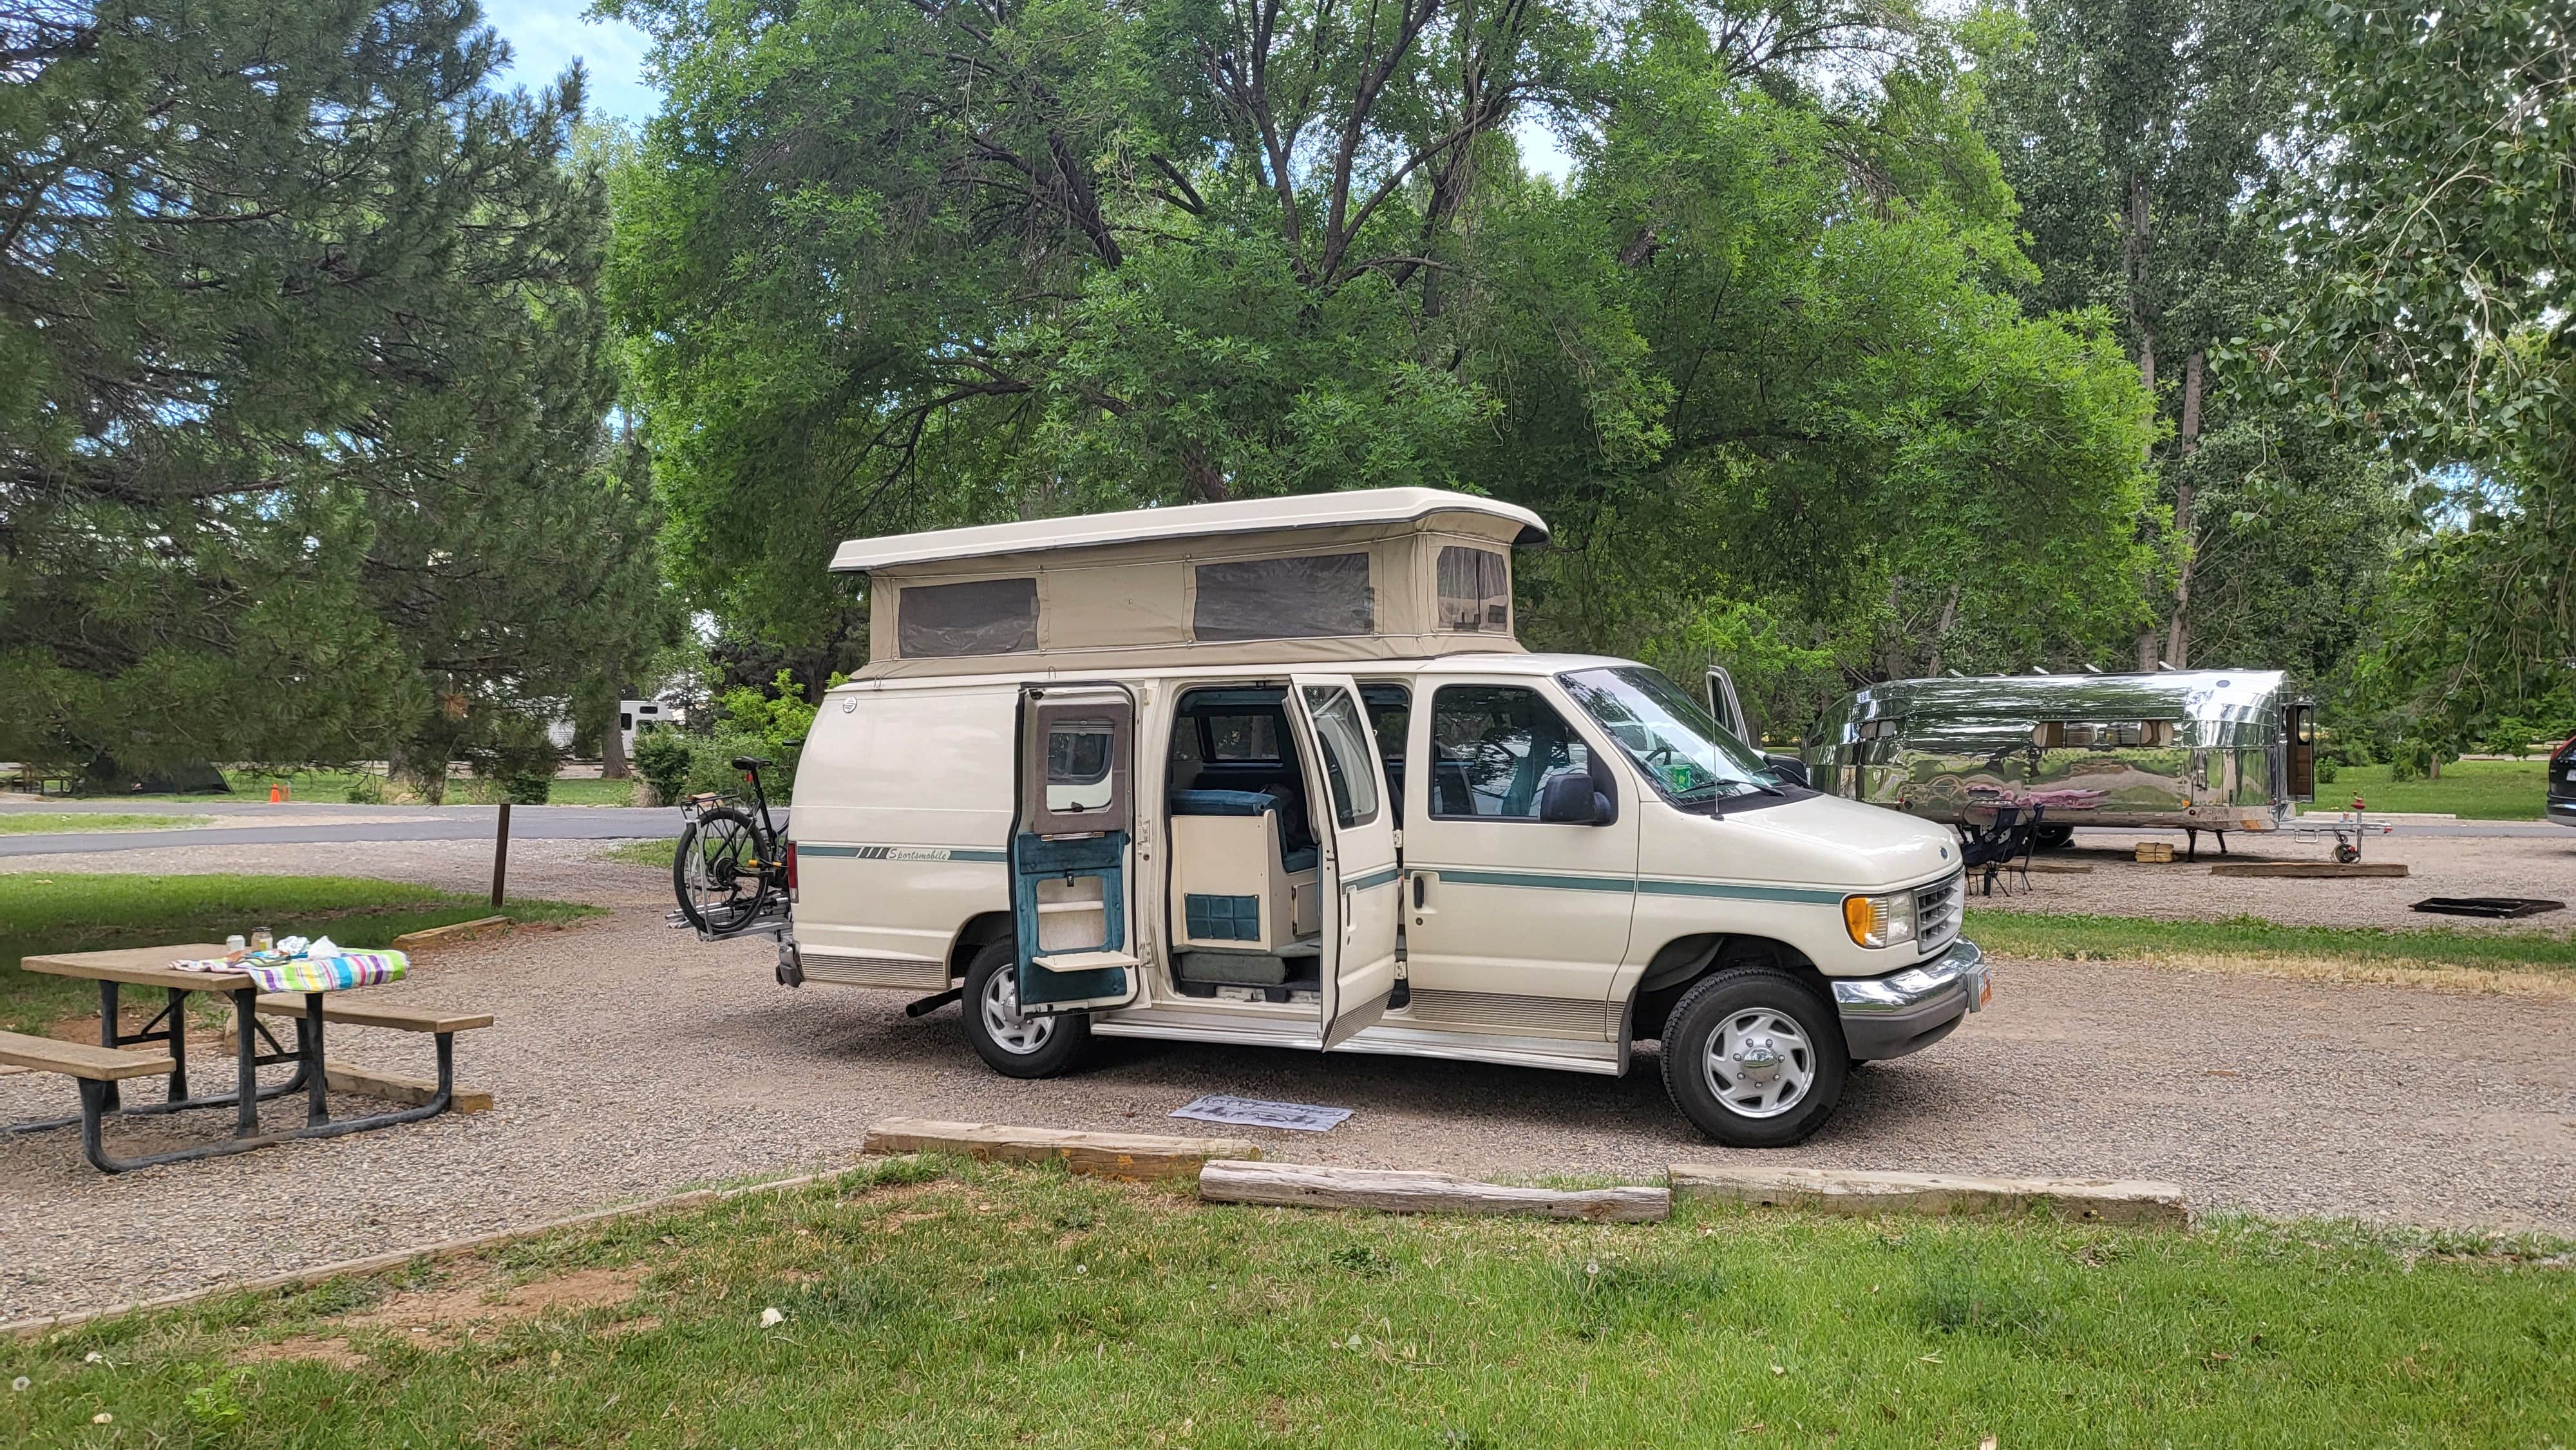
pixel 1254 1113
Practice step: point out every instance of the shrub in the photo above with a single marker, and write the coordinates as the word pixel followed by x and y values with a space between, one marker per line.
pixel 528 788
pixel 2411 760
pixel 663 758
pixel 2327 770
pixel 711 765
pixel 365 790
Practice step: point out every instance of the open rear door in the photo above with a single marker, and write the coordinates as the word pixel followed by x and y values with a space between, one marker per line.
pixel 1362 897
pixel 1727 706
pixel 1073 847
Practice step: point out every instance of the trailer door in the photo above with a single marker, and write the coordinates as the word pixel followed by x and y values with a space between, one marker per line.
pixel 1358 876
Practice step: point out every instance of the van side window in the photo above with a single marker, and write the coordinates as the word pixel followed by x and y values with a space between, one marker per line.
pixel 1310 597
pixel 982 617
pixel 1475 590
pixel 1241 737
pixel 1492 749
pixel 1344 740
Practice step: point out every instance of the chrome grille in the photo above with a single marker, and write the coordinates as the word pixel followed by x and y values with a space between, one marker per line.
pixel 1936 913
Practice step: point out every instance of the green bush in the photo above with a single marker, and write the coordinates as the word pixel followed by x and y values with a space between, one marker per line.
pixel 2411 760
pixel 663 758
pixel 2327 770
pixel 711 764
pixel 365 790
pixel 528 788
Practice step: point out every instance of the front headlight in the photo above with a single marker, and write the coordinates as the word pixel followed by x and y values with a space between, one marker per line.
pixel 1879 921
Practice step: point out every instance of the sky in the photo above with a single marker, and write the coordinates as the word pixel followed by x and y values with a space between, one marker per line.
pixel 546 35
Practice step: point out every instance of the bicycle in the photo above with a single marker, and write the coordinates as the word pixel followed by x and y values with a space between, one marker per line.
pixel 730 871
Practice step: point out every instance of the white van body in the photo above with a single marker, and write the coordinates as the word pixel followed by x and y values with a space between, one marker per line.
pixel 1381 852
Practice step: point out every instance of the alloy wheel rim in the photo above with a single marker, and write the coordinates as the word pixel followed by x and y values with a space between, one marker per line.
pixel 1010 1031
pixel 1759 1063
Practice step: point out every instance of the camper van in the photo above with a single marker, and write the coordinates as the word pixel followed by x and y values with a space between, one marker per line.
pixel 1276 773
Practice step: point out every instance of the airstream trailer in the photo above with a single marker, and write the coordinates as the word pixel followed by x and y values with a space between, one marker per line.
pixel 1276 773
pixel 2194 750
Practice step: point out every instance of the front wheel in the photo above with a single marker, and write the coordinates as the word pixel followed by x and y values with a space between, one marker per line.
pixel 1755 1059
pixel 1013 1044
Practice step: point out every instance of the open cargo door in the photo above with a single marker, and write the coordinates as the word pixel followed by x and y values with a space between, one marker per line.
pixel 1073 849
pixel 1358 881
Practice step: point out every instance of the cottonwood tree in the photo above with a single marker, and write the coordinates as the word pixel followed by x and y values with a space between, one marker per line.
pixel 301 389
pixel 892 263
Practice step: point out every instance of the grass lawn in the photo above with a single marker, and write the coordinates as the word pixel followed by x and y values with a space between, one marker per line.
pixel 643 853
pixel 2473 790
pixel 2512 960
pixel 63 911
pixel 332 787
pixel 927 1304
pixel 29 823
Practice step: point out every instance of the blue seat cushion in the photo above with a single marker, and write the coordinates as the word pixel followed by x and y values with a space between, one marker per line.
pixel 1221 803
pixel 1293 862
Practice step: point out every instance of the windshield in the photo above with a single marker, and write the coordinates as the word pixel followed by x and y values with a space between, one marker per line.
pixel 1683 750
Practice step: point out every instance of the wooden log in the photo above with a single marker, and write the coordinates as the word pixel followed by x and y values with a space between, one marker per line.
pixel 394 1087
pixel 454 931
pixel 1297 1185
pixel 1853 1191
pixel 2308 868
pixel 1111 1155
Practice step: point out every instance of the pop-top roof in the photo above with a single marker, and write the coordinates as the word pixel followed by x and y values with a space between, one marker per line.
pixel 1307 511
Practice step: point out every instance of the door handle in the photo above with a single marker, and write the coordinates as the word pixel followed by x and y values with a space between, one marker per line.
pixel 1422 908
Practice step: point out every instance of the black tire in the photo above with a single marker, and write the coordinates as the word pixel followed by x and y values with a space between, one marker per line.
pixel 1060 1040
pixel 1811 1044
pixel 2053 838
pixel 714 871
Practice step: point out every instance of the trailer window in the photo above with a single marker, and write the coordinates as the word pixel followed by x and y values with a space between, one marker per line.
pixel 2102 735
pixel 1309 597
pixel 1475 590
pixel 984 617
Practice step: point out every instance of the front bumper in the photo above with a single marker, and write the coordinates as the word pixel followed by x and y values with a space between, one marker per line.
pixel 1908 1011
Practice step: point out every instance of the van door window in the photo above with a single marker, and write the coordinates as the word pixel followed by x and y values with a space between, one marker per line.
pixel 1494 747
pixel 1345 744
pixel 1078 761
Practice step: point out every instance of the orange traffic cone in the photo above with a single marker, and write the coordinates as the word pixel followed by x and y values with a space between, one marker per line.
pixel 276 793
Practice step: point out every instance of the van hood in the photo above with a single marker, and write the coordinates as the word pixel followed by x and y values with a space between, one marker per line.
pixel 1835 842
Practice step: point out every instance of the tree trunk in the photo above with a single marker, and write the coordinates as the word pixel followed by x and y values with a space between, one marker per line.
pixel 1892 661
pixel 1201 481
pixel 612 747
pixel 2147 650
pixel 2178 633
pixel 1941 632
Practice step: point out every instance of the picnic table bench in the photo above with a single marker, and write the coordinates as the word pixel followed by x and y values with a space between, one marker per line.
pixel 99 1070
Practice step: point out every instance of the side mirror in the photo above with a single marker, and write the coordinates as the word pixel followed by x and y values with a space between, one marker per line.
pixel 1788 767
pixel 1570 800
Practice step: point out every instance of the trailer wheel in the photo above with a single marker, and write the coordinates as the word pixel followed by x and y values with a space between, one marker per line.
pixel 1754 1058
pixel 1009 1043
pixel 2053 838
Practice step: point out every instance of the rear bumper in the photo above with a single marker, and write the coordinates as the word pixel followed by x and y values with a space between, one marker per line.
pixel 2563 812
pixel 1908 1011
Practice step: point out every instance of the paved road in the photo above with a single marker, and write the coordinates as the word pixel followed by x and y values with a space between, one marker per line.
pixel 316 822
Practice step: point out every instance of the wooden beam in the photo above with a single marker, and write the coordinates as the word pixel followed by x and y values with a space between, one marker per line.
pixel 1298 1185
pixel 454 931
pixel 393 1087
pixel 2308 868
pixel 1839 1190
pixel 1112 1155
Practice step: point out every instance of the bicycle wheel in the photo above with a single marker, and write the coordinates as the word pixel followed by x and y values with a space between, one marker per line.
pixel 716 871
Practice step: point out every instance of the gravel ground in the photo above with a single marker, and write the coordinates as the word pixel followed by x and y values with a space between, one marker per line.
pixel 2543 866
pixel 631 1060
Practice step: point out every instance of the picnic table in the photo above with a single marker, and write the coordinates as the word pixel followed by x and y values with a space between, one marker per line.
pixel 102 1070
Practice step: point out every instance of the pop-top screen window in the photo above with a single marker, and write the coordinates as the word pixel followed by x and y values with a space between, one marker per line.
pixel 986 617
pixel 1475 590
pixel 1302 598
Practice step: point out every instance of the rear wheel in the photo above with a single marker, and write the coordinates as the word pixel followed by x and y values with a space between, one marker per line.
pixel 1754 1058
pixel 716 871
pixel 1010 1042
pixel 2053 838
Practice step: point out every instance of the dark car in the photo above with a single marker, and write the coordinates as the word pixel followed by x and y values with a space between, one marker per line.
pixel 2562 784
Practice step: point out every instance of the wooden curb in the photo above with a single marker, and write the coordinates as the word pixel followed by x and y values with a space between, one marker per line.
pixel 1111 1155
pixel 2308 868
pixel 393 1087
pixel 1296 1185
pixel 454 931
pixel 1836 1190
pixel 395 1259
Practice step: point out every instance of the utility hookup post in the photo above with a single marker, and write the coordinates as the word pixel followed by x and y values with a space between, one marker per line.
pixel 501 856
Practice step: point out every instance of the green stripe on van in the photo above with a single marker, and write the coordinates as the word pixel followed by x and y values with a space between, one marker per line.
pixel 1536 881
pixel 1374 878
pixel 1723 890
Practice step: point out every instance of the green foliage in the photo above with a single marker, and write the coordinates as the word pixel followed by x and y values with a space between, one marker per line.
pixel 663 757
pixel 365 789
pixel 2440 229
pixel 883 267
pixel 302 385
